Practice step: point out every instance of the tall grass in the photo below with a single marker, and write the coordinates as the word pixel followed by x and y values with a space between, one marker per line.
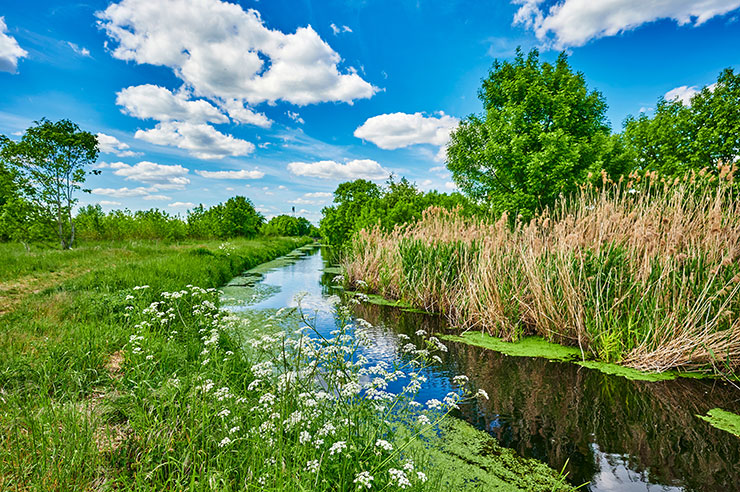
pixel 643 272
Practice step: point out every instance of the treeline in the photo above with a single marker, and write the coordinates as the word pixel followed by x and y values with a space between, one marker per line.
pixel 236 217
pixel 363 204
pixel 541 136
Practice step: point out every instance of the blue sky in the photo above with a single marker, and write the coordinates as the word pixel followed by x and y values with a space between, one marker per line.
pixel 200 100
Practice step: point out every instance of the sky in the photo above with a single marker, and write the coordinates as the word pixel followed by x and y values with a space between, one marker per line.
pixel 195 101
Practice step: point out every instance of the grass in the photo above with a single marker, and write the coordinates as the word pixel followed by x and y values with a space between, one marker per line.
pixel 642 273
pixel 56 345
pixel 126 376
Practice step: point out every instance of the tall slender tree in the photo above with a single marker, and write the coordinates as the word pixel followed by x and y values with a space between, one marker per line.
pixel 53 157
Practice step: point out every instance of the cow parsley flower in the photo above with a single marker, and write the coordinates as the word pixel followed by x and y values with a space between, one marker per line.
pixel 363 479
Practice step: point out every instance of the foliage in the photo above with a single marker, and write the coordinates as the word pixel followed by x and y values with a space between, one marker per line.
pixel 642 272
pixel 51 158
pixel 679 139
pixel 236 217
pixel 359 204
pixel 287 225
pixel 540 134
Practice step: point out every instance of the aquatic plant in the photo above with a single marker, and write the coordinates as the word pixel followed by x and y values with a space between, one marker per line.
pixel 643 272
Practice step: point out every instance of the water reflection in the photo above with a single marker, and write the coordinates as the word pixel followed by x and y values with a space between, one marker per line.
pixel 616 434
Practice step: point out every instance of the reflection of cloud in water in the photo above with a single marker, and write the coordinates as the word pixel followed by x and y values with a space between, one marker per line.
pixel 614 475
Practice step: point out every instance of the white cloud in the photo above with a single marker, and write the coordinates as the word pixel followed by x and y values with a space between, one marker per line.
pixel 397 130
pixel 319 194
pixel 157 197
pixel 336 29
pixel 181 204
pixel 10 50
pixel 242 174
pixel 295 117
pixel 451 186
pixel 242 114
pixel 80 50
pixel 303 201
pixel 358 168
pixel 109 203
pixel 125 192
pixel 684 93
pixel 222 52
pixel 200 140
pixel 575 22
pixel 159 103
pixel 161 176
pixel 108 144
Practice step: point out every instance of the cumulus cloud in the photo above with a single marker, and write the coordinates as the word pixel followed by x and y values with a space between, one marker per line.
pixel 295 117
pixel 242 174
pixel 150 101
pixel 575 22
pixel 199 139
pixel 242 114
pixel 181 204
pixel 684 93
pixel 108 144
pixel 10 50
pixel 109 203
pixel 396 130
pixel 355 169
pixel 221 51
pixel 319 194
pixel 139 192
pixel 160 176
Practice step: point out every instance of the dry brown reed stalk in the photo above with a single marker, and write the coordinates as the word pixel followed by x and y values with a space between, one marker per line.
pixel 643 272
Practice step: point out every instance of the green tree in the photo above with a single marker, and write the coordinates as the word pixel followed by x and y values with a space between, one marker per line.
pixel 540 133
pixel 237 217
pixel 338 221
pixel 680 138
pixel 52 159
pixel 287 225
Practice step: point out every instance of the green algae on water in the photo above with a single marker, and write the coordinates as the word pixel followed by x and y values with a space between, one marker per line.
pixel 723 420
pixel 464 458
pixel 536 346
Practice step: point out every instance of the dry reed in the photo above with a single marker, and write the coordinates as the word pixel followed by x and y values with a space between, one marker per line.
pixel 642 272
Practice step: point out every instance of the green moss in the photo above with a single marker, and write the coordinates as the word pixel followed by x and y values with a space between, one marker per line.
pixel 464 458
pixel 723 420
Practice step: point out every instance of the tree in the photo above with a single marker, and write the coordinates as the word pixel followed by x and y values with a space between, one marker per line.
pixel 679 138
pixel 51 158
pixel 540 134
pixel 338 221
pixel 238 218
pixel 287 225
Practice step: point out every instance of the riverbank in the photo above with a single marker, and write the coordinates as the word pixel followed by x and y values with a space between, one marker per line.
pixel 647 279
pixel 128 377
pixel 61 344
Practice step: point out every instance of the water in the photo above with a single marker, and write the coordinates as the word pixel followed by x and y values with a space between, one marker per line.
pixel 615 434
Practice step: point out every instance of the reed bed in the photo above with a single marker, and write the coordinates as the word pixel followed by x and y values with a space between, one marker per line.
pixel 643 272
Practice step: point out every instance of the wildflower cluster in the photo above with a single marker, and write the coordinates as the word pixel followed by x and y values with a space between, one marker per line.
pixel 306 408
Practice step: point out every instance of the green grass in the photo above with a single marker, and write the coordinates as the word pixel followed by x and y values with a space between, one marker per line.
pixel 124 375
pixel 55 344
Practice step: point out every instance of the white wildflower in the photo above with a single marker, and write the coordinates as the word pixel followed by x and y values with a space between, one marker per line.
pixel 363 479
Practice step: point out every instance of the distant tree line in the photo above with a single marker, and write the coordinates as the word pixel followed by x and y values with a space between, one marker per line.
pixel 42 173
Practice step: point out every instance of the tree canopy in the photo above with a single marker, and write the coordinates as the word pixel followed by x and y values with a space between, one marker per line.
pixel 540 133
pixel 50 161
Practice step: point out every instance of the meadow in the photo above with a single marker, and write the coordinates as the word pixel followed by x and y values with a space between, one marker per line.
pixel 118 372
pixel 643 272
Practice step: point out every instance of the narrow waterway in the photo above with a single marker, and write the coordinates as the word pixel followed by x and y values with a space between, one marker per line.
pixel 614 433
